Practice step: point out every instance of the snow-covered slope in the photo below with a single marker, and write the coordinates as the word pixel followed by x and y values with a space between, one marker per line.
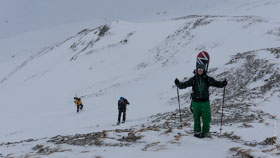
pixel 32 25
pixel 140 60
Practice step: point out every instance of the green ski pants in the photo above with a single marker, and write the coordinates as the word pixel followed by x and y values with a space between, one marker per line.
pixel 201 109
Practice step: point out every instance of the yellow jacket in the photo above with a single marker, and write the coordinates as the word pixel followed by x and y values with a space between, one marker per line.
pixel 78 102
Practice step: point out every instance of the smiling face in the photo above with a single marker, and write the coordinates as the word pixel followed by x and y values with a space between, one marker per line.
pixel 199 71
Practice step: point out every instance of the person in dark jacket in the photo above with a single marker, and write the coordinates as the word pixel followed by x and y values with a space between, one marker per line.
pixel 200 84
pixel 122 103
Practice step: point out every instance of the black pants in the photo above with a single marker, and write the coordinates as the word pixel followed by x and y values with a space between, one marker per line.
pixel 80 107
pixel 120 113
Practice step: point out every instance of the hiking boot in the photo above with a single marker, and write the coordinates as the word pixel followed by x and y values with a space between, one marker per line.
pixel 123 121
pixel 118 123
pixel 205 135
pixel 197 135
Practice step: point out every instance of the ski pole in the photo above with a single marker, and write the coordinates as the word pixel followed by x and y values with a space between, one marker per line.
pixel 179 104
pixel 221 128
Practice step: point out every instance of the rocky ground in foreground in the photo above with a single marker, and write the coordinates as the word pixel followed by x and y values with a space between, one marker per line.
pixel 166 124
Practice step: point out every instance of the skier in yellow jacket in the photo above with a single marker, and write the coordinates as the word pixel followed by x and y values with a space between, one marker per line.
pixel 79 103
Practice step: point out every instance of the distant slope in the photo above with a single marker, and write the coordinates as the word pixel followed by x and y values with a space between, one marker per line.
pixel 32 25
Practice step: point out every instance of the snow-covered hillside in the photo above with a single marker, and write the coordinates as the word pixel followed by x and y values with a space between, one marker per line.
pixel 32 25
pixel 139 59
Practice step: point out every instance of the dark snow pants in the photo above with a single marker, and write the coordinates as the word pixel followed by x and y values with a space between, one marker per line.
pixel 80 107
pixel 120 113
pixel 201 110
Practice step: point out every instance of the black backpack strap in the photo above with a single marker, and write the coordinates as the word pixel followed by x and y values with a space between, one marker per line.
pixel 207 80
pixel 194 80
pixel 193 84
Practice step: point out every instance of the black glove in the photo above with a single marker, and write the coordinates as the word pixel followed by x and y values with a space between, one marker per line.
pixel 177 82
pixel 225 82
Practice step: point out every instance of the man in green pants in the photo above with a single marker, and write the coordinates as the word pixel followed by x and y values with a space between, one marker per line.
pixel 200 84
